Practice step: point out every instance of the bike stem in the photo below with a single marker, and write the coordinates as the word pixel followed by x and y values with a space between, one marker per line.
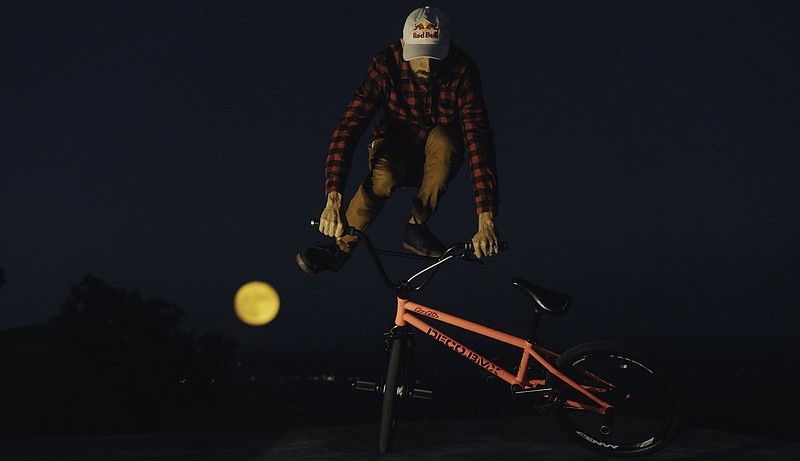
pixel 404 288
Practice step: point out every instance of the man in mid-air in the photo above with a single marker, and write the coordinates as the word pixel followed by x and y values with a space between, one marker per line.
pixel 431 97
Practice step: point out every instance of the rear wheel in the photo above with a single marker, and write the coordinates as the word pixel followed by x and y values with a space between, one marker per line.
pixel 647 410
pixel 394 390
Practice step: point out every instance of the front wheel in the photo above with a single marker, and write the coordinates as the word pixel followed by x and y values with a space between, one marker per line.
pixel 395 387
pixel 646 412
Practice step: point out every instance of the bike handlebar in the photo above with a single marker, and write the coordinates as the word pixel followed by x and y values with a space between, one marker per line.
pixel 462 251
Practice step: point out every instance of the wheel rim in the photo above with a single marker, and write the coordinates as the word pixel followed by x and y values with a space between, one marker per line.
pixel 643 416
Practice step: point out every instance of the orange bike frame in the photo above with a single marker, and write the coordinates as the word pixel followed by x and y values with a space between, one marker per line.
pixel 409 312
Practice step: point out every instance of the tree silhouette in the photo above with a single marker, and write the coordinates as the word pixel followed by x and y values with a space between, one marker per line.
pixel 111 361
pixel 128 350
pixel 135 358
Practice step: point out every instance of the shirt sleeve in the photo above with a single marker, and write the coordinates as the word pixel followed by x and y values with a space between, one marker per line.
pixel 478 141
pixel 357 116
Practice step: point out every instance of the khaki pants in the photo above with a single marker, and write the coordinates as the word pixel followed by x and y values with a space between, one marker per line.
pixel 394 164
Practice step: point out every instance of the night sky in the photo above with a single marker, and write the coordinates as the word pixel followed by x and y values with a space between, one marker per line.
pixel 648 153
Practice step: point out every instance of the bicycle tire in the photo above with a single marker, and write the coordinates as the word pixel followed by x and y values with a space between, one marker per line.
pixel 392 394
pixel 648 410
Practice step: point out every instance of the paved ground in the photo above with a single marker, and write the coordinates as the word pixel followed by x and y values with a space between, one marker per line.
pixel 478 439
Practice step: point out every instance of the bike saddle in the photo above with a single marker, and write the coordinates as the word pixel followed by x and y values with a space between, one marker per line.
pixel 547 301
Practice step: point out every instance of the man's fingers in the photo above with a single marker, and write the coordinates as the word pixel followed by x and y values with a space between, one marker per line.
pixel 333 230
pixel 480 248
pixel 485 247
pixel 327 227
pixel 330 224
pixel 475 250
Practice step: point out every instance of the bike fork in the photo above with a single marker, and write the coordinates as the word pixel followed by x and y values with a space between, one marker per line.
pixel 397 337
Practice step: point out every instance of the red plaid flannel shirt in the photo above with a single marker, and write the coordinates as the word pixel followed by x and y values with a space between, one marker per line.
pixel 411 111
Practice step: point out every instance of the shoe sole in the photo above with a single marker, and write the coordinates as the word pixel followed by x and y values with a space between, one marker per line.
pixel 301 262
pixel 418 252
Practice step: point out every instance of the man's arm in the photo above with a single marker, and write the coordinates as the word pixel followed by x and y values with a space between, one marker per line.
pixel 478 143
pixel 356 118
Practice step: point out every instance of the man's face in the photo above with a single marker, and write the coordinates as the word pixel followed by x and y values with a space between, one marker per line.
pixel 425 70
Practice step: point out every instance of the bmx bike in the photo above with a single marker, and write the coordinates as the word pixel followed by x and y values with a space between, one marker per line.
pixel 609 397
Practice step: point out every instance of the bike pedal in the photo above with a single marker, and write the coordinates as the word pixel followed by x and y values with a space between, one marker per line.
pixel 544 398
pixel 423 394
pixel 540 392
pixel 365 386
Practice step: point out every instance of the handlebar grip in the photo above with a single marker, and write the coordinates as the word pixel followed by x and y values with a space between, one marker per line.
pixel 313 222
pixel 500 245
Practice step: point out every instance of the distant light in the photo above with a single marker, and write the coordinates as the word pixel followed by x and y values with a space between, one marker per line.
pixel 256 303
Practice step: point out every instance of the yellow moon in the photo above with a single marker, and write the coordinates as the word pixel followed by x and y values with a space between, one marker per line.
pixel 256 303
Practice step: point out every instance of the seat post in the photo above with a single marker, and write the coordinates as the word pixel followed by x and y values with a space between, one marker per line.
pixel 533 332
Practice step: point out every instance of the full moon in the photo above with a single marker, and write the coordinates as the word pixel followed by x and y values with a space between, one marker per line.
pixel 256 303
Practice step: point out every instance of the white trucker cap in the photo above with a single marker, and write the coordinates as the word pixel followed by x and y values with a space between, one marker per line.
pixel 426 34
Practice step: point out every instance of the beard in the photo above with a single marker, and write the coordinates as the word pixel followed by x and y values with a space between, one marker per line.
pixel 424 78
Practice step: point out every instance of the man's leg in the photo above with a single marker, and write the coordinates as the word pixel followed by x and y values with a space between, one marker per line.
pixel 444 154
pixel 442 158
pixel 388 170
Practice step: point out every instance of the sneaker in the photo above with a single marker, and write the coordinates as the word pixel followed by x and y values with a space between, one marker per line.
pixel 419 239
pixel 322 258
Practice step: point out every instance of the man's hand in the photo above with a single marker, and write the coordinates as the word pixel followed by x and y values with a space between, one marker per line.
pixel 485 242
pixel 330 222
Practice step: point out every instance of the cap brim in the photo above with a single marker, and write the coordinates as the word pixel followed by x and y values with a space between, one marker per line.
pixel 425 50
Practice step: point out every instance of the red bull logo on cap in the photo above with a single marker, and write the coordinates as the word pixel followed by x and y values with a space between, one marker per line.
pixel 425 29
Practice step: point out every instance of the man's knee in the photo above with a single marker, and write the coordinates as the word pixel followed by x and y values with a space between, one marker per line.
pixel 444 154
pixel 382 178
pixel 445 142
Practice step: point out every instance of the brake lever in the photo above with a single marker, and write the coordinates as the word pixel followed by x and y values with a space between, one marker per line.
pixel 469 254
pixel 470 258
pixel 476 261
